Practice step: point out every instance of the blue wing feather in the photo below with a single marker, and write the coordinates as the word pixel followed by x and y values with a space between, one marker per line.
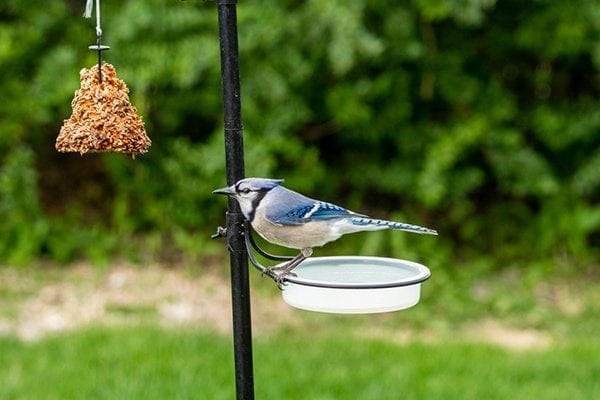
pixel 315 211
pixel 299 212
pixel 291 208
pixel 324 211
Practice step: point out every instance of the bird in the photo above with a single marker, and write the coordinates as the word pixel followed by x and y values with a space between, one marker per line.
pixel 290 219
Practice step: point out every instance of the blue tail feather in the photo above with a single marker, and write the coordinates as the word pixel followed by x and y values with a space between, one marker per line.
pixel 392 225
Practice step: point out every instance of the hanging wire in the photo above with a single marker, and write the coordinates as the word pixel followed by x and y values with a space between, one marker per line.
pixel 88 9
pixel 98 46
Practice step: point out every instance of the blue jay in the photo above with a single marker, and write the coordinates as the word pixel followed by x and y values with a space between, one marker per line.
pixel 287 218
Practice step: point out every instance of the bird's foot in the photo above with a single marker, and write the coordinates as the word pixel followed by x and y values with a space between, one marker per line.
pixel 280 278
pixel 279 273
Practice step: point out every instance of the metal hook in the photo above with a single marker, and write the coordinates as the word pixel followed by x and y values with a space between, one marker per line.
pixel 251 244
pixel 98 46
pixel 248 234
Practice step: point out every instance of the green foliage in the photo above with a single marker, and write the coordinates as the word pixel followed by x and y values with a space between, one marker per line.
pixel 22 228
pixel 476 117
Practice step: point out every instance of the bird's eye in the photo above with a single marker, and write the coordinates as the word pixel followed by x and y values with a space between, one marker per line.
pixel 245 190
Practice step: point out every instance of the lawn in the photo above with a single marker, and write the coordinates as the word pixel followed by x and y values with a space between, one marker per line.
pixel 147 362
pixel 153 333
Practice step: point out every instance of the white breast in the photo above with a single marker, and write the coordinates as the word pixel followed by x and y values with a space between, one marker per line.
pixel 313 234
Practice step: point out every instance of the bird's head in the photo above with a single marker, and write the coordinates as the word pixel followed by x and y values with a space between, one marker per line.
pixel 249 192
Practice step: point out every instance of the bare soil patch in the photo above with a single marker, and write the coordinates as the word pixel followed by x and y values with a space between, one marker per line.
pixel 82 295
pixel 37 302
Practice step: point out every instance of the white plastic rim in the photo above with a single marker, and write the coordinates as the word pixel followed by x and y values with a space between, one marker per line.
pixel 355 285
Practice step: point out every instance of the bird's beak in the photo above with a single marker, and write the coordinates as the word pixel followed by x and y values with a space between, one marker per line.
pixel 228 191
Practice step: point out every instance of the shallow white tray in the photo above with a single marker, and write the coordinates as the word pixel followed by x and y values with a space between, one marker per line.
pixel 355 285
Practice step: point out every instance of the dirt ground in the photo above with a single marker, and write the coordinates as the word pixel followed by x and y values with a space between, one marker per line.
pixel 34 303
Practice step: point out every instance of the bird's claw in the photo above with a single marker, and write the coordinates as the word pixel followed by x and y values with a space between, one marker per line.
pixel 280 279
pixel 278 274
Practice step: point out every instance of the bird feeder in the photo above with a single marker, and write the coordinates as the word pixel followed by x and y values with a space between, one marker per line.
pixel 103 118
pixel 355 285
pixel 319 284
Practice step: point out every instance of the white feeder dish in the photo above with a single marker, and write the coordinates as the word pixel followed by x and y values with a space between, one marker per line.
pixel 355 285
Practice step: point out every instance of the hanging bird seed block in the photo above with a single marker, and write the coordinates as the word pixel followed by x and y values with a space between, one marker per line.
pixel 103 119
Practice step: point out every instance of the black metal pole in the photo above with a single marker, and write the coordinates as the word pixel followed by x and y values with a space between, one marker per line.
pixel 234 159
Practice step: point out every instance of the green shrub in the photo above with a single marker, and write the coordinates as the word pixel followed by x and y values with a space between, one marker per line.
pixel 477 118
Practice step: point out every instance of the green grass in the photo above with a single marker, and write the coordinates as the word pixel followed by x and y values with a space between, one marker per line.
pixel 151 363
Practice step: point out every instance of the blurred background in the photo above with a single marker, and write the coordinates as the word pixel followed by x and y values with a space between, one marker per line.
pixel 478 118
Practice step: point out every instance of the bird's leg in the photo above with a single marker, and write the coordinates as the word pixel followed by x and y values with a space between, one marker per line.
pixel 284 270
pixel 287 268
